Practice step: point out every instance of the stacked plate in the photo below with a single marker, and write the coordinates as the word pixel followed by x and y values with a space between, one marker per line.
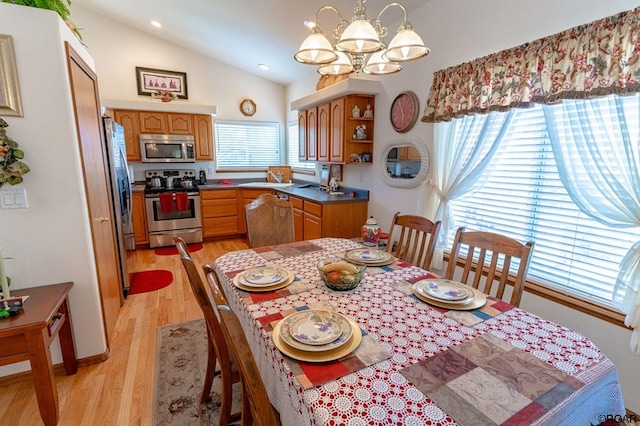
pixel 317 335
pixel 369 256
pixel 449 294
pixel 264 278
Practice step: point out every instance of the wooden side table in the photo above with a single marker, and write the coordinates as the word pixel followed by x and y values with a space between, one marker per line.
pixel 28 335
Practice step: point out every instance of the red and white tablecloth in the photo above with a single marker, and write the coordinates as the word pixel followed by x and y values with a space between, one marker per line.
pixel 413 332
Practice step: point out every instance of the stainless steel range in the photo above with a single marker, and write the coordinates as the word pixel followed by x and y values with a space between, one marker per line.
pixel 173 207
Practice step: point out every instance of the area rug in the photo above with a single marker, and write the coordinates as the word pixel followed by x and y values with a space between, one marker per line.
pixel 144 281
pixel 181 361
pixel 168 251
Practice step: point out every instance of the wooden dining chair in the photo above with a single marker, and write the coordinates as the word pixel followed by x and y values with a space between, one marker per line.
pixel 489 256
pixel 413 239
pixel 218 350
pixel 269 221
pixel 256 407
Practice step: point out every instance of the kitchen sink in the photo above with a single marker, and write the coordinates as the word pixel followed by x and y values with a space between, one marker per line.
pixel 265 185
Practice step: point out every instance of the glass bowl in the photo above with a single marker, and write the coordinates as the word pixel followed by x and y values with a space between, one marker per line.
pixel 340 274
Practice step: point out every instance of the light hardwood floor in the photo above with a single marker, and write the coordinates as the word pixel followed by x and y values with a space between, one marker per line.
pixel 119 391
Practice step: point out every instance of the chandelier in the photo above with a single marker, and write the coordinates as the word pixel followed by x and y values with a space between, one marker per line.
pixel 358 39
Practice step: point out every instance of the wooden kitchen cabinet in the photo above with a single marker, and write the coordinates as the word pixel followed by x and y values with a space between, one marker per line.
pixel 203 133
pixel 312 134
pixel 323 132
pixel 153 122
pixel 129 120
pixel 298 217
pixel 333 129
pixel 312 220
pixel 302 135
pixel 408 153
pixel 219 212
pixel 139 218
pixel 136 122
pixel 179 124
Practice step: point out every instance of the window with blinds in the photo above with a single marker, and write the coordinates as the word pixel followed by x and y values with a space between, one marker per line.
pixel 247 144
pixel 524 198
pixel 293 149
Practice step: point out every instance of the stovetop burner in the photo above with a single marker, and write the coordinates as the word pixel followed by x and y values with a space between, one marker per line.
pixel 183 181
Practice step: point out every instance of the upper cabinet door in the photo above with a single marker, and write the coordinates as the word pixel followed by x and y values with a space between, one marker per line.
pixel 203 137
pixel 179 124
pixel 324 132
pixel 153 122
pixel 336 150
pixel 130 121
pixel 312 134
pixel 302 135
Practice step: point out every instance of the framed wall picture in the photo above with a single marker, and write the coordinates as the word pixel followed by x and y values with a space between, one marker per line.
pixel 152 81
pixel 10 101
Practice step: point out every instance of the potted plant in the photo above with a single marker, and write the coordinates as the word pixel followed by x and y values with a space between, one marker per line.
pixel 11 168
pixel 61 7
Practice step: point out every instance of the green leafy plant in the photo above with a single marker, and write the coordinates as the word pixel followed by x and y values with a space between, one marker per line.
pixel 11 168
pixel 61 7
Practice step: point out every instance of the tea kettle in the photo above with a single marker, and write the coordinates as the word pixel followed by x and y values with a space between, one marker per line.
pixel 155 182
pixel 169 181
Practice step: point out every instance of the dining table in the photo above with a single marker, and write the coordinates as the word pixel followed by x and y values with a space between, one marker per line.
pixel 415 362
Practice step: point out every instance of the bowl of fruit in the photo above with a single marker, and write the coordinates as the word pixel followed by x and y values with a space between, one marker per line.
pixel 340 274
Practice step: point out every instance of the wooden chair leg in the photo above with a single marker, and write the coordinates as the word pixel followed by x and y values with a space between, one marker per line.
pixel 211 372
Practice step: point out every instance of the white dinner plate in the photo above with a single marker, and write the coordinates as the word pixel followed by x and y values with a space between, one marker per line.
pixel 315 327
pixel 446 290
pixel 239 282
pixel 313 356
pixel 368 256
pixel 474 302
pixel 264 276
pixel 345 327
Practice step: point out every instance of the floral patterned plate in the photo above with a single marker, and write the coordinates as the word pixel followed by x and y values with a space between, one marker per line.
pixel 264 276
pixel 242 284
pixel 314 327
pixel 447 290
pixel 350 345
pixel 475 301
pixel 342 322
pixel 368 256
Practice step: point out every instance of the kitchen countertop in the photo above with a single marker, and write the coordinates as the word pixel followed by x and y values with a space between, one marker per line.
pixel 311 192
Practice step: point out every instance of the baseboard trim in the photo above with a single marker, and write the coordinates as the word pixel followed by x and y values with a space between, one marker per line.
pixel 58 369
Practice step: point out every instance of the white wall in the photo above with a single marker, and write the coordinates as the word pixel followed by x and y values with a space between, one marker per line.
pixel 118 50
pixel 50 241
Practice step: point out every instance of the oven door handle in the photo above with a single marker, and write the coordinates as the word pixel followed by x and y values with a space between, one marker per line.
pixel 178 231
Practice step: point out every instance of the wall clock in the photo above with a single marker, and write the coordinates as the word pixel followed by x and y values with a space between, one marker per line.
pixel 404 111
pixel 248 107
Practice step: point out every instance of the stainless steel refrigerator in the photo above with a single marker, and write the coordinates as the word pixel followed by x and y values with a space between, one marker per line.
pixel 121 190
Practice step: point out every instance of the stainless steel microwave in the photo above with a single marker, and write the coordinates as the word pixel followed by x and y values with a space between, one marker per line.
pixel 167 148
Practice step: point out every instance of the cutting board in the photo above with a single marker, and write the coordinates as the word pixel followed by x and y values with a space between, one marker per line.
pixel 285 170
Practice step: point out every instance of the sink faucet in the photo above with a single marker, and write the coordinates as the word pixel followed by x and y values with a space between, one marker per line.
pixel 278 177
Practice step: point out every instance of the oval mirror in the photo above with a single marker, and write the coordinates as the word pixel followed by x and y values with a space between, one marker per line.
pixel 405 163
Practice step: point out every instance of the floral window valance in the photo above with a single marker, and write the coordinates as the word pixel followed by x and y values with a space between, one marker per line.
pixel 595 59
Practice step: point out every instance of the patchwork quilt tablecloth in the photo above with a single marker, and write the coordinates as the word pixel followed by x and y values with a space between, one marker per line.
pixel 575 382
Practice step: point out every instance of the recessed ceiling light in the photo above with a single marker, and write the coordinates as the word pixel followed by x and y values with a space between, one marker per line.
pixel 309 23
pixel 156 24
pixel 263 67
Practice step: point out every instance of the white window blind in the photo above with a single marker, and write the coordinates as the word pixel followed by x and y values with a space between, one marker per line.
pixel 293 148
pixel 523 198
pixel 247 145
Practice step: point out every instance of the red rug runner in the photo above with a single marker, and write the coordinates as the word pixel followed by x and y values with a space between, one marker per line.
pixel 141 282
pixel 167 251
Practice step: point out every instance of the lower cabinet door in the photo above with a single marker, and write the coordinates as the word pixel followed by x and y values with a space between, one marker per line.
pixel 312 226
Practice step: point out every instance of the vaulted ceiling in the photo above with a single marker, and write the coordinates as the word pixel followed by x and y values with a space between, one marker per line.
pixel 243 33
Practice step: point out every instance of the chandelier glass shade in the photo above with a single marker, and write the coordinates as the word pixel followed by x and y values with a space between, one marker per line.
pixel 359 44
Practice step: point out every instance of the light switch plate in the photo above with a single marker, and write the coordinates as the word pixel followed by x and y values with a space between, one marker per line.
pixel 13 199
